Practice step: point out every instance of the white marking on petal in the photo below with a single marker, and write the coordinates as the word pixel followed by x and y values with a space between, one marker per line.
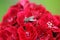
pixel 49 24
pixel 27 34
pixel 10 20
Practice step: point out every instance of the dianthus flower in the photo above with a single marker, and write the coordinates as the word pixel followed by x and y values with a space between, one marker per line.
pixel 29 21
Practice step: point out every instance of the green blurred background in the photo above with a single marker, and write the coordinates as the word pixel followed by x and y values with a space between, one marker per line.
pixel 52 5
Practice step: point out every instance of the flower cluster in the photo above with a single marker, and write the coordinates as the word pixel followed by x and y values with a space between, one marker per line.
pixel 29 21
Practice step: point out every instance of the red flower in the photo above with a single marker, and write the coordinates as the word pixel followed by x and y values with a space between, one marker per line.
pixel 8 33
pixel 24 17
pixel 49 21
pixel 27 32
pixel 11 16
pixel 34 22
pixel 31 10
pixel 34 10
